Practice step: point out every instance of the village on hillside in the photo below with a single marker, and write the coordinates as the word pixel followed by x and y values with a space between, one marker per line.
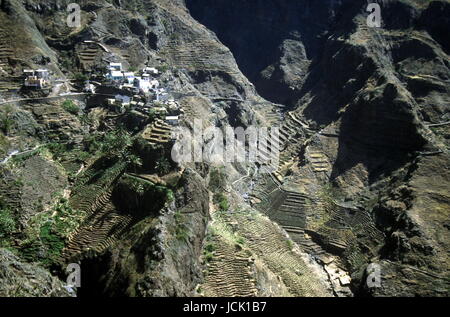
pixel 119 90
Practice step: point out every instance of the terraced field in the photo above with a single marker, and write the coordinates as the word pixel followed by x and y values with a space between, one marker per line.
pixel 287 208
pixel 98 232
pixel 104 223
pixel 190 55
pixel 229 274
pixel 270 244
pixel 89 55
pixel 158 132
pixel 7 82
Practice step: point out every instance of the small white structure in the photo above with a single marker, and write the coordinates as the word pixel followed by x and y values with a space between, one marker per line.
pixel 115 67
pixel 115 75
pixel 42 73
pixel 36 78
pixel 150 70
pixel 123 100
pixel 129 77
pixel 33 81
pixel 28 72
pixel 143 84
pixel 162 96
pixel 126 86
pixel 154 84
pixel 89 88
pixel 172 120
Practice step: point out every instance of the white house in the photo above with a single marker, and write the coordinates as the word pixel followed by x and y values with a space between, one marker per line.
pixel 36 78
pixel 172 120
pixel 34 81
pixel 143 84
pixel 150 71
pixel 129 76
pixel 124 100
pixel 115 67
pixel 89 87
pixel 115 75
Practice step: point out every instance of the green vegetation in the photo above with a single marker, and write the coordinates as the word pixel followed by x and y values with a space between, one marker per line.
pixel 162 68
pixel 116 143
pixel 159 193
pixel 165 192
pixel 208 257
pixel 162 166
pixel 6 121
pixel 71 107
pixel 57 149
pixel 7 223
pixel 221 200
pixel 80 77
pixel 47 233
pixel 217 179
pixel 181 230
pixel 290 244
pixel 134 160
pixel 210 247
pixel 53 242
pixel 4 144
pixel 208 251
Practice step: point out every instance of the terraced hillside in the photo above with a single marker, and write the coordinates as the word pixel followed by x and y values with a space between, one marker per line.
pixel 242 240
pixel 361 177
pixel 229 273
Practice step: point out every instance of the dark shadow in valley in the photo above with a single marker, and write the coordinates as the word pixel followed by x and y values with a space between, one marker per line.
pixel 271 40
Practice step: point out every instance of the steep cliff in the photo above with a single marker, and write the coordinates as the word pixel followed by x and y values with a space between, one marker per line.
pixel 376 103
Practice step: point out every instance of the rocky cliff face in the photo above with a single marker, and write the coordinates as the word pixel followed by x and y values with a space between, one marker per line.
pixel 27 280
pixel 363 177
pixel 373 95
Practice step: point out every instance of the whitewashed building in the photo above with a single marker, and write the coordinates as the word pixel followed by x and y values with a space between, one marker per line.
pixel 172 120
pixel 36 78
pixel 115 67
pixel 150 70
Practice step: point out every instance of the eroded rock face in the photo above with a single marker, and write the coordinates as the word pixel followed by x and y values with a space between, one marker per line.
pixel 19 279
pixel 273 41
pixel 160 256
pixel 372 93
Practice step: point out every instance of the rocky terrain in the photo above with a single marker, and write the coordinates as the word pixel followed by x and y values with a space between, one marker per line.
pixel 364 157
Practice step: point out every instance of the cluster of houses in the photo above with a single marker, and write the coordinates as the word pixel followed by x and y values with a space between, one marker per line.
pixel 38 79
pixel 146 84
pixel 168 110
pixel 141 92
